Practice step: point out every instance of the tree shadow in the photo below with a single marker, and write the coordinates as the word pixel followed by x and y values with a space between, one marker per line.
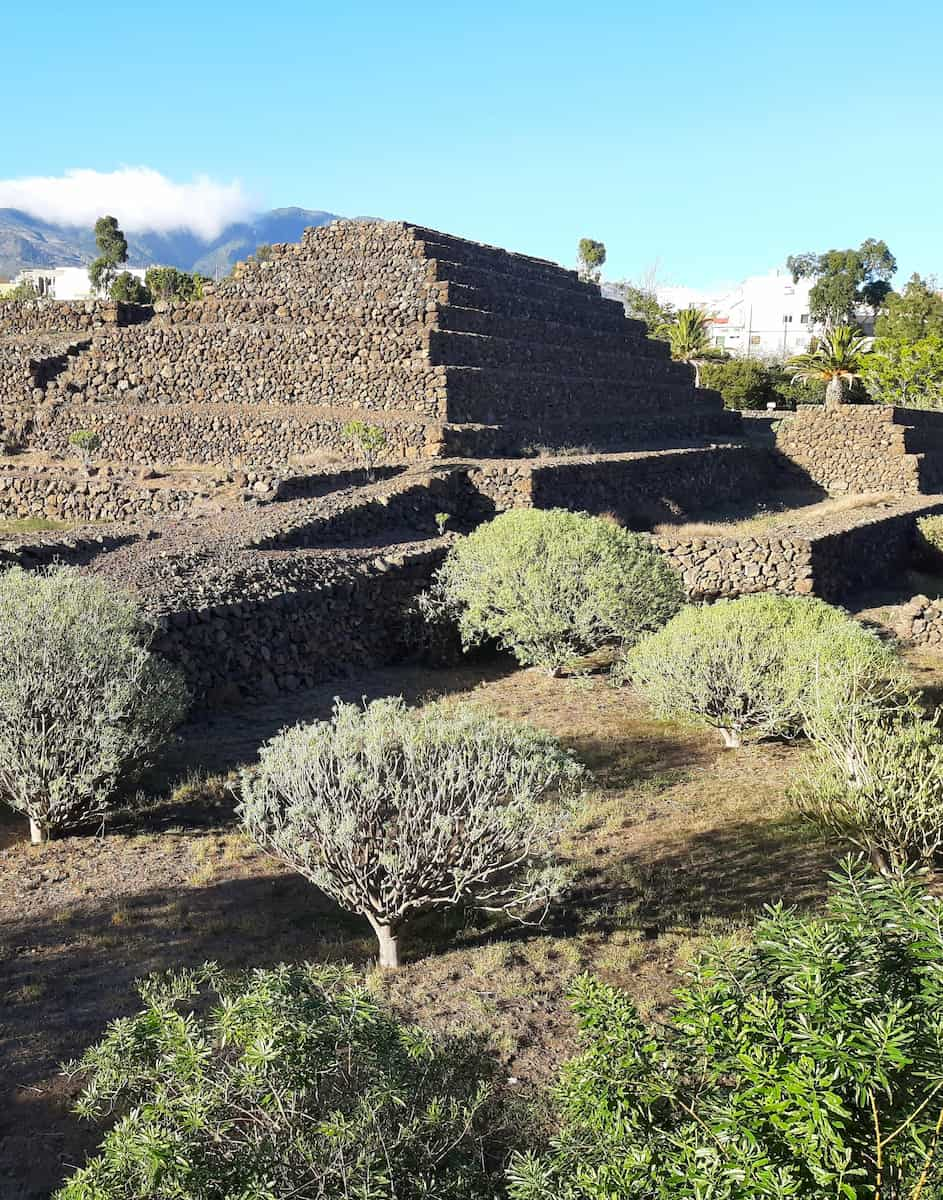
pixel 67 974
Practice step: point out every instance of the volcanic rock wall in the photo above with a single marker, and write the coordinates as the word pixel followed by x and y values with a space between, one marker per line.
pixel 865 448
pixel 453 347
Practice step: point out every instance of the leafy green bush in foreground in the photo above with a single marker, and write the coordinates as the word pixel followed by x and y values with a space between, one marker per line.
pixel 747 667
pixel 285 1083
pixel 551 585
pixel 807 1064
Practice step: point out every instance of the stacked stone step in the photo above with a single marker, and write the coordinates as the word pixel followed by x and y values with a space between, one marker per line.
pixel 532 353
pixel 453 348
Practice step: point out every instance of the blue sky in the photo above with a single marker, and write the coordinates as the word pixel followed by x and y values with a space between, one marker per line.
pixel 709 139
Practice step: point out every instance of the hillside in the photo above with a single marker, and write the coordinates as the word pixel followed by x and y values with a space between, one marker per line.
pixel 27 241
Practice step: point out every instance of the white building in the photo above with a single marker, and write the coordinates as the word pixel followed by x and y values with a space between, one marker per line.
pixel 65 283
pixel 765 316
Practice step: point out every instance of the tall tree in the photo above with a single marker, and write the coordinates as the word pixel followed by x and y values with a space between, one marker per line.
pixel 690 341
pixel 590 257
pixel 913 314
pixel 837 360
pixel 112 251
pixel 845 279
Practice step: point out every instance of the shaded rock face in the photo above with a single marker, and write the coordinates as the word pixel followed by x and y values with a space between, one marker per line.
pixel 865 448
pixel 831 557
pixel 452 348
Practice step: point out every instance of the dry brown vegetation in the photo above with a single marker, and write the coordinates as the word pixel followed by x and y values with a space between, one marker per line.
pixel 679 841
pixel 796 510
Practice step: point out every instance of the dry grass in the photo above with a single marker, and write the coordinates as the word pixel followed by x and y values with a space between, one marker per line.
pixel 766 521
pixel 15 526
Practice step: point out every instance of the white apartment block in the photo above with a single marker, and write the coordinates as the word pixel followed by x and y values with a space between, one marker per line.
pixel 765 316
pixel 65 283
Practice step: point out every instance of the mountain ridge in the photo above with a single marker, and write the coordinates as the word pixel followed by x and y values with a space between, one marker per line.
pixel 28 241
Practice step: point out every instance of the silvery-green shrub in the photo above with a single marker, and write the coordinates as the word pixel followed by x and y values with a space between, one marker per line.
pixel 749 667
pixel 84 704
pixel 875 776
pixel 551 585
pixel 393 811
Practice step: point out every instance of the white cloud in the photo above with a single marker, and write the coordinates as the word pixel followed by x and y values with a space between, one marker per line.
pixel 140 198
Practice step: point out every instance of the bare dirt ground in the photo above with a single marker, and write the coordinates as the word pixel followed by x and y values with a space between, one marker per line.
pixel 679 841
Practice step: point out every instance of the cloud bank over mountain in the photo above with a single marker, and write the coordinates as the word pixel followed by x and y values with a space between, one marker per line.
pixel 142 199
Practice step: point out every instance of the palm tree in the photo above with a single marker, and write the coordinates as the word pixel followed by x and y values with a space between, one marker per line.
pixel 690 341
pixel 836 359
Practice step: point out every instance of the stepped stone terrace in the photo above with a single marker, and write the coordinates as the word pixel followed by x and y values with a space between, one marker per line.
pixel 227 493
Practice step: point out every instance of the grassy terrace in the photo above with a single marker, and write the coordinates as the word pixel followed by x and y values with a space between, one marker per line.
pixel 679 841
pixel 13 528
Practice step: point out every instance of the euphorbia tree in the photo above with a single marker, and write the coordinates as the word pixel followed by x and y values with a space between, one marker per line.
pixel 84 704
pixel 393 812
pixel 837 359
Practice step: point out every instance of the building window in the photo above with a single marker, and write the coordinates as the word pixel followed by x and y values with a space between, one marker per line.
pixel 804 319
pixel 720 341
pixel 787 319
pixel 754 339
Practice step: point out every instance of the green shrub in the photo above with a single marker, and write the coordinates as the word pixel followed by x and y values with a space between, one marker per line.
pixel 743 382
pixel 86 441
pixel 369 441
pixel 128 289
pixel 25 290
pixel 83 703
pixel 807 1064
pixel 930 542
pixel 876 777
pixel 168 283
pixel 289 1082
pixel 747 667
pixel 393 811
pixel 551 585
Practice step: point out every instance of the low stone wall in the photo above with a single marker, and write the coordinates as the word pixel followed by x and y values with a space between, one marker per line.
pixel 293 620
pixel 855 448
pixel 28 366
pixel 387 509
pixel 715 568
pixel 831 558
pixel 17 378
pixel 228 434
pixel 62 316
pixel 109 494
pixel 640 489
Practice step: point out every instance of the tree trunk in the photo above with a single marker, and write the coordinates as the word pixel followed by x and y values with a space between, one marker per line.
pixel 37 834
pixel 697 372
pixel 388 941
pixel 732 739
pixel 834 393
